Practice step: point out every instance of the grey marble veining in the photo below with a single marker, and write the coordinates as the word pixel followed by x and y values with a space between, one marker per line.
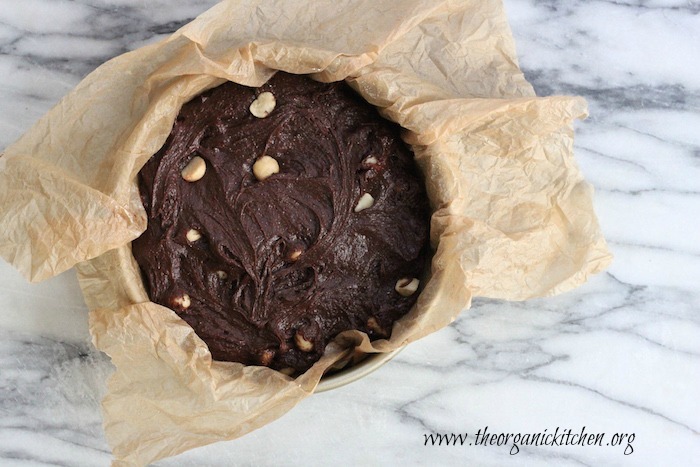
pixel 49 401
pixel 620 354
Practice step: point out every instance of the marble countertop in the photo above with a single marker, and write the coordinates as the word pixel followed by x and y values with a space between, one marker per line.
pixel 620 355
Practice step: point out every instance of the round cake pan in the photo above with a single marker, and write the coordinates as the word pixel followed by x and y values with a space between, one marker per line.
pixel 355 372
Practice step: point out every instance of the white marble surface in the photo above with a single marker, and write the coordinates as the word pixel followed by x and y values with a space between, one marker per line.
pixel 619 355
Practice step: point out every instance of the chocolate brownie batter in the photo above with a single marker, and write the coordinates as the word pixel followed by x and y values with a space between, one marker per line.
pixel 268 268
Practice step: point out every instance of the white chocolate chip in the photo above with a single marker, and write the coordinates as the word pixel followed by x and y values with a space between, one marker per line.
pixel 263 105
pixel 302 343
pixel 193 235
pixel 222 274
pixel 194 170
pixel 264 167
pixel 407 286
pixel 371 160
pixel 183 302
pixel 365 202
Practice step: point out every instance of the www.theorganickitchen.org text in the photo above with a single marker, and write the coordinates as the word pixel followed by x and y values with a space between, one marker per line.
pixel 515 441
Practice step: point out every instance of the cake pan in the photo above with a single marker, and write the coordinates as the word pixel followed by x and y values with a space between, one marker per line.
pixel 355 372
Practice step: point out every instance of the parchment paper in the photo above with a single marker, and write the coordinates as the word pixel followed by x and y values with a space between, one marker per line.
pixel 513 217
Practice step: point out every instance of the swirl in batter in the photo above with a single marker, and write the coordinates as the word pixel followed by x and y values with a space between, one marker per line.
pixel 268 271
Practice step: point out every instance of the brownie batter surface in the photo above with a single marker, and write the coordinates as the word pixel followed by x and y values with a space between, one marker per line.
pixel 268 271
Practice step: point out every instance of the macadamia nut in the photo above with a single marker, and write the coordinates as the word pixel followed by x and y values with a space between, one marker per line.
pixel 302 343
pixel 193 235
pixel 264 167
pixel 263 105
pixel 183 301
pixel 195 170
pixel 407 286
pixel 365 202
